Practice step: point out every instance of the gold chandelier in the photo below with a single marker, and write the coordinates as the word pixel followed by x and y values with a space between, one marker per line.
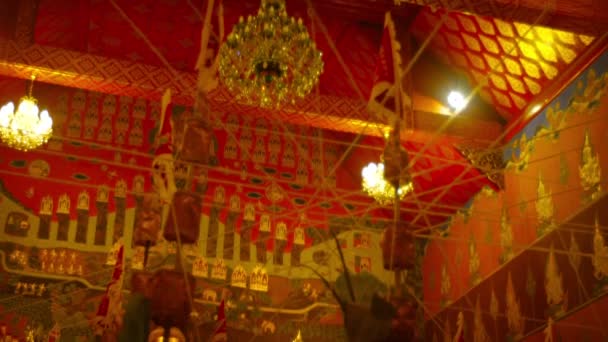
pixel 376 186
pixel 270 59
pixel 380 182
pixel 25 129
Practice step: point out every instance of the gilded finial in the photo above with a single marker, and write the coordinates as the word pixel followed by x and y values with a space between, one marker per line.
pixel 600 252
pixel 298 337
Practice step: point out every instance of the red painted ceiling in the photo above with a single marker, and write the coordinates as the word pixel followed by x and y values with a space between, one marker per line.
pixel 463 45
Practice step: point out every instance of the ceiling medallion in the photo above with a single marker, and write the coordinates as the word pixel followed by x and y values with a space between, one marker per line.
pixel 25 129
pixel 269 59
pixel 275 193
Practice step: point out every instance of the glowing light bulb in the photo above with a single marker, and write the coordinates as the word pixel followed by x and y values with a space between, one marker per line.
pixel 46 123
pixel 457 101
pixel 5 114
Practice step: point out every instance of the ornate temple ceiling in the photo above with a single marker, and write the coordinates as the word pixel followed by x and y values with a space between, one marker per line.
pixel 521 60
pixel 89 45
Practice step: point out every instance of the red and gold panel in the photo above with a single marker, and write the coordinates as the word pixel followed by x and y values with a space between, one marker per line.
pixel 96 27
pixel 555 187
pixel 512 62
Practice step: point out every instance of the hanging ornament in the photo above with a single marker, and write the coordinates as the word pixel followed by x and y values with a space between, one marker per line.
pixel 404 252
pixel 184 218
pixel 196 140
pixel 174 310
pixel 396 162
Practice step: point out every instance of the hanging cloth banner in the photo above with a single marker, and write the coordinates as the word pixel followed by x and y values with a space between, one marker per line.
pixel 109 312
pixel 382 101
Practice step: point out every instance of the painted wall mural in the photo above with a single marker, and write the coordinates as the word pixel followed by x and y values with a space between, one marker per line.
pixel 516 259
pixel 66 209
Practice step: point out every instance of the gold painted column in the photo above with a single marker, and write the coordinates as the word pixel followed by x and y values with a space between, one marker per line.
pixel 280 241
pixel 263 237
pixel 234 211
pixel 214 221
pixel 298 246
pixel 120 204
pixel 246 228
pixel 82 217
pixel 213 231
pixel 101 205
pixel 63 217
pixel 45 215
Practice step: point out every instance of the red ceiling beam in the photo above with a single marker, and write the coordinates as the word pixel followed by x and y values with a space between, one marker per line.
pixel 588 17
pixel 107 75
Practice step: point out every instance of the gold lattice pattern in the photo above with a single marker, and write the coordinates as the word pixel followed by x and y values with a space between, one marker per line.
pixel 512 61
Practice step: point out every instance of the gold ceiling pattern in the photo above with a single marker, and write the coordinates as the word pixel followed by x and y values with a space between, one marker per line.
pixel 512 61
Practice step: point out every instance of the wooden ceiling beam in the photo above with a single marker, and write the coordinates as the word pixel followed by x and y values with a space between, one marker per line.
pixel 126 78
pixel 589 17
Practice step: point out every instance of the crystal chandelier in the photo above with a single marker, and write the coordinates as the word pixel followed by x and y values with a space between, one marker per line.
pixel 24 129
pixel 376 186
pixel 270 59
pixel 379 181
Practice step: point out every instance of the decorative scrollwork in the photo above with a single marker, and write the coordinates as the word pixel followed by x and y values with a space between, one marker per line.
pixel 489 162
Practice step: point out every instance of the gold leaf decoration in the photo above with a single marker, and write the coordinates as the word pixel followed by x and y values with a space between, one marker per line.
pixel 530 284
pixel 531 69
pixel 467 23
pixel 516 84
pixel 514 317
pixel 518 100
pixel 544 207
pixel 506 238
pixel 574 255
pixel 489 43
pixel 486 26
pixel 479 332
pixel 471 42
pixel 512 66
pixel 494 309
pixel 473 262
pixel 447 331
pixel 446 285
pixel 589 170
pixel 504 27
pixel 600 253
pixel 490 163
pixel 498 81
pixel 554 287
pixel 532 85
pixel 501 98
pixel 549 70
